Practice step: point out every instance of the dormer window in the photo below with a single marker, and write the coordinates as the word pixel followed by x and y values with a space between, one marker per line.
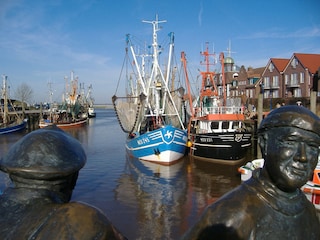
pixel 234 83
pixel 294 63
pixel 271 67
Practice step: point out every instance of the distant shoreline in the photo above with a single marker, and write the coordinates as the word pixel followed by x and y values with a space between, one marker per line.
pixel 103 106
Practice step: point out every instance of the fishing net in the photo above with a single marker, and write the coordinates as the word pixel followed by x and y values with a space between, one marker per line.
pixel 128 112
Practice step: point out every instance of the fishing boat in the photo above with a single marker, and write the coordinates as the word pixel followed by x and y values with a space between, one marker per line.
pixel 89 100
pixel 71 113
pixel 64 125
pixel 150 112
pixel 91 112
pixel 217 130
pixel 9 124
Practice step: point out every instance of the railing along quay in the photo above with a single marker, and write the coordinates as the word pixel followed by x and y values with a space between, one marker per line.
pixel 33 116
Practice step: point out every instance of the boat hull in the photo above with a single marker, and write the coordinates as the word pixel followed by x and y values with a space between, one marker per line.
pixel 165 145
pixel 14 128
pixel 231 146
pixel 79 123
pixel 91 112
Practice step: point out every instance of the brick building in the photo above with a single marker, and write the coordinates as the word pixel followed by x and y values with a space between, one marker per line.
pixel 286 78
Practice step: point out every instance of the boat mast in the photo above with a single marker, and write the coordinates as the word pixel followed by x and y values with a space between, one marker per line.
pixel 208 86
pixel 156 77
pixel 168 71
pixel 5 99
pixel 184 62
pixel 140 78
pixel 221 58
pixel 73 95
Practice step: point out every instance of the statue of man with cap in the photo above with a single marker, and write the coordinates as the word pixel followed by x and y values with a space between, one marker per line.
pixel 270 205
pixel 43 167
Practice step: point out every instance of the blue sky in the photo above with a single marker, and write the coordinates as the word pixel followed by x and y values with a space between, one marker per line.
pixel 42 41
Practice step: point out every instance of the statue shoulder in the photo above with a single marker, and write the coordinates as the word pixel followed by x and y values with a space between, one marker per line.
pixel 77 220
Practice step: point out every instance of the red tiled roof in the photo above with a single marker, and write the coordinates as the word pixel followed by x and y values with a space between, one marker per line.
pixel 310 61
pixel 280 63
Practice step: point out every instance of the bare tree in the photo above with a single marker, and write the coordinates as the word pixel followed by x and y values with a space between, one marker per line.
pixel 24 94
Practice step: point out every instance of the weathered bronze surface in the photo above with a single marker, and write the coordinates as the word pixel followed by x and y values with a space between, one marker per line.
pixel 271 205
pixel 43 167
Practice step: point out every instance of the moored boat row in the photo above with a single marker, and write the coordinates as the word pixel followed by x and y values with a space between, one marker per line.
pixel 8 125
pixel 74 110
pixel 151 112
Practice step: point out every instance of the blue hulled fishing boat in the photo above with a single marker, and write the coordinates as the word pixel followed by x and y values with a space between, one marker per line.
pixel 150 113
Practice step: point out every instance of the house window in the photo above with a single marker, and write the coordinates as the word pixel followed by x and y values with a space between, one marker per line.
pixel 271 67
pixel 297 92
pixel 302 77
pixel 234 83
pixel 250 93
pixel 266 82
pixel 286 79
pixel 266 94
pixel 294 79
pixel 294 63
pixel 275 81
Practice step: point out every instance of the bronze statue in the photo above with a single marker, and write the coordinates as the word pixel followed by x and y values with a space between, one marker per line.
pixel 271 205
pixel 43 167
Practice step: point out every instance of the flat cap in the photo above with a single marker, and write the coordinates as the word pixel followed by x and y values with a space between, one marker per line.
pixel 291 116
pixel 44 154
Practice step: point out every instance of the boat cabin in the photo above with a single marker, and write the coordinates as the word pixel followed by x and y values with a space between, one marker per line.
pixel 199 126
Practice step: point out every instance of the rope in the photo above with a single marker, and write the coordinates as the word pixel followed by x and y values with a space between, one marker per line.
pixel 124 61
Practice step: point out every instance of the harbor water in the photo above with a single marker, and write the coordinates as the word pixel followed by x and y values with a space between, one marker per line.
pixel 141 199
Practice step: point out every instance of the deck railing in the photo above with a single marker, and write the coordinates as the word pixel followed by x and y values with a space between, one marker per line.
pixel 219 110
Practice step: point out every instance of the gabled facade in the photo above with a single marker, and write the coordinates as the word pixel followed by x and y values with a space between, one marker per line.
pixel 253 76
pixel 236 81
pixel 298 74
pixel 280 78
pixel 272 78
pixel 286 78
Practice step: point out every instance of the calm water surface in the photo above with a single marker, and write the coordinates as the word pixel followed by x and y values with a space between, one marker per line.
pixel 143 200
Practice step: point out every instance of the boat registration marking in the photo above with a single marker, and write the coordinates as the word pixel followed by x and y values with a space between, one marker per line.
pixel 143 141
pixel 206 140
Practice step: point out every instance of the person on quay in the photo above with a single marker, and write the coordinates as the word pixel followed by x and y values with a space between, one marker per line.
pixel 44 167
pixel 271 205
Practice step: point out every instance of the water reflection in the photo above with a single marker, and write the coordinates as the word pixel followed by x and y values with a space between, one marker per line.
pixel 168 200
pixel 6 140
pixel 210 181
pixel 157 192
pixel 143 200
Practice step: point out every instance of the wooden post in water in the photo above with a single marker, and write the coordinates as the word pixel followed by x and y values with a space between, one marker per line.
pixel 314 92
pixel 260 115
pixel 313 102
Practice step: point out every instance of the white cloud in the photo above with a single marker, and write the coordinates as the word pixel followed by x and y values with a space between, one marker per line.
pixel 200 14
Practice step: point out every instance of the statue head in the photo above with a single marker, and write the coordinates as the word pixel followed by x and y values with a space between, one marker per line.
pixel 289 139
pixel 47 158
